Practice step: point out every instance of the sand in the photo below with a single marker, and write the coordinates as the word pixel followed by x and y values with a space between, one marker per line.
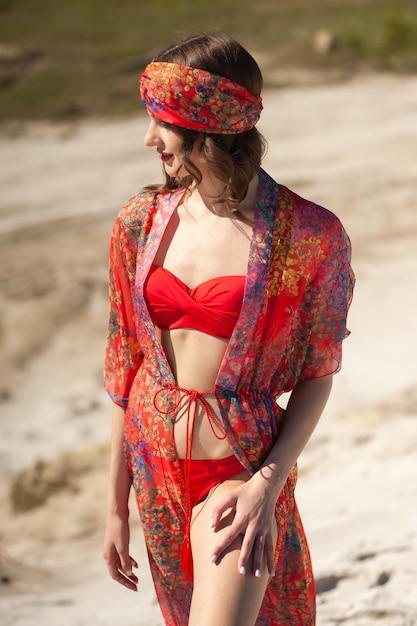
pixel 351 146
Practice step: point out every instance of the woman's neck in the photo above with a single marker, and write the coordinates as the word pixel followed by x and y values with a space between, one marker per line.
pixel 209 196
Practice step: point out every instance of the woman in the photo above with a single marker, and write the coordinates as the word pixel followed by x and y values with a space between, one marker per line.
pixel 226 290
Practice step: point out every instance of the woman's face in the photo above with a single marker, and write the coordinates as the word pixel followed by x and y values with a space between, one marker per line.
pixel 168 145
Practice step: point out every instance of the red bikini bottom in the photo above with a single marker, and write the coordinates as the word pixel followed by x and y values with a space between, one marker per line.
pixel 203 476
pixel 200 476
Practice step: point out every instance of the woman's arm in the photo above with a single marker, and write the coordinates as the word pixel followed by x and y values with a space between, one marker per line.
pixel 254 502
pixel 116 539
pixel 305 406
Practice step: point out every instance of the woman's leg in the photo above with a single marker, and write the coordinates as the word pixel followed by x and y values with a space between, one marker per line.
pixel 222 596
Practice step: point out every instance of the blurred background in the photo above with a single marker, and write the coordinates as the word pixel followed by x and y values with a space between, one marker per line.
pixel 340 117
pixel 63 59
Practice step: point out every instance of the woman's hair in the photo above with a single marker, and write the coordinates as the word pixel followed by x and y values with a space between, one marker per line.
pixel 234 159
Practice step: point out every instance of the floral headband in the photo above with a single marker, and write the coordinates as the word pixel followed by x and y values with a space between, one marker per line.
pixel 198 100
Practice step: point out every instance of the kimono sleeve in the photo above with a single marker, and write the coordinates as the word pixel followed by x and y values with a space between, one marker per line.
pixel 333 290
pixel 123 354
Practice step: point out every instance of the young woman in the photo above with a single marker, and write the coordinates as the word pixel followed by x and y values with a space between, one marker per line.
pixel 226 290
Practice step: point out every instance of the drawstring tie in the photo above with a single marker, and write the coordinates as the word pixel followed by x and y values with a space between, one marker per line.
pixel 193 398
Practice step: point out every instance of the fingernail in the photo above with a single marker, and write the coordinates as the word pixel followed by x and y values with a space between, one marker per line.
pixel 211 523
pixel 258 573
pixel 128 572
pixel 242 571
pixel 272 572
pixel 213 558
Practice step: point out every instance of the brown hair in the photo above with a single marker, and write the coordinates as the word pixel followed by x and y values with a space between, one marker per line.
pixel 233 159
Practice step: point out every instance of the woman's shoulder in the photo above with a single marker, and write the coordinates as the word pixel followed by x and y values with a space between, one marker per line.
pixel 289 200
pixel 306 220
pixel 310 219
pixel 138 209
pixel 138 214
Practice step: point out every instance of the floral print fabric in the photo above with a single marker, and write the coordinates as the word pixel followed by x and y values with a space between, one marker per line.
pixel 291 326
pixel 198 100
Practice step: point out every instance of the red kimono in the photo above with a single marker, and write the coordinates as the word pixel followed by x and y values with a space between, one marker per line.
pixel 293 320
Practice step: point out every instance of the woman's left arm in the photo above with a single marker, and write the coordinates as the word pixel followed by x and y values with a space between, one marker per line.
pixel 254 502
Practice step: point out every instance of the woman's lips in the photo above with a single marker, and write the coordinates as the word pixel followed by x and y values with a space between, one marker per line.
pixel 165 156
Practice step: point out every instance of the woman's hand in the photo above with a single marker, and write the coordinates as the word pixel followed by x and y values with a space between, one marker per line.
pixel 253 506
pixel 253 503
pixel 116 551
pixel 117 535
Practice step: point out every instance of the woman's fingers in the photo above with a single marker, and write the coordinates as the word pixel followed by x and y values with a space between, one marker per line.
pixel 241 516
pixel 126 569
pixel 125 563
pixel 120 569
pixel 245 552
pixel 226 503
pixel 130 582
pixel 270 555
pixel 258 548
pixel 227 536
pixel 263 550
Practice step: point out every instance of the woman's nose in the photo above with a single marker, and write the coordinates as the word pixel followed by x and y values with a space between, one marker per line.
pixel 152 137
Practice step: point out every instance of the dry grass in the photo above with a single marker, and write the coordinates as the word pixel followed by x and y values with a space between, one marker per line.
pixel 31 488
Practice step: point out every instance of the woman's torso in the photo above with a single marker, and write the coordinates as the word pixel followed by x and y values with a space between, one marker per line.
pixel 196 249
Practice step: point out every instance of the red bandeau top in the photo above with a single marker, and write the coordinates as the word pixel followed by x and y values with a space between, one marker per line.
pixel 212 307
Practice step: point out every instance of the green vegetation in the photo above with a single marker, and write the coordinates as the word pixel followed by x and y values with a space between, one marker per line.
pixel 69 58
pixel 387 39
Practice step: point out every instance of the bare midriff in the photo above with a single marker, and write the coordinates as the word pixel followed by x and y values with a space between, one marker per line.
pixel 195 359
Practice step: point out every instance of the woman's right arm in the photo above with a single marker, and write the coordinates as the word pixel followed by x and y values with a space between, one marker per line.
pixel 122 361
pixel 117 534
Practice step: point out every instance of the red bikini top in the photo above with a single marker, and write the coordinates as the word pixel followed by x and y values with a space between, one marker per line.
pixel 212 307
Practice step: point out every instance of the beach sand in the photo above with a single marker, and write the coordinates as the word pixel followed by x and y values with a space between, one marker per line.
pixel 350 146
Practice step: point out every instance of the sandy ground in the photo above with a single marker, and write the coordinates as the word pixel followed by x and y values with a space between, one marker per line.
pixel 351 147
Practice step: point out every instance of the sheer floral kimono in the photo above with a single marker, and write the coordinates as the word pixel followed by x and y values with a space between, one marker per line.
pixel 291 326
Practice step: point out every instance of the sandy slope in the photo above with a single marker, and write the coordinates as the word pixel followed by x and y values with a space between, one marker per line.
pixel 351 147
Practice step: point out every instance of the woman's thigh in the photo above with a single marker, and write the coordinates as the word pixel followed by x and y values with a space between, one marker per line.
pixel 222 595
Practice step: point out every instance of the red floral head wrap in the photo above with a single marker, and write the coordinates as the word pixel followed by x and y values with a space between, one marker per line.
pixel 198 100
